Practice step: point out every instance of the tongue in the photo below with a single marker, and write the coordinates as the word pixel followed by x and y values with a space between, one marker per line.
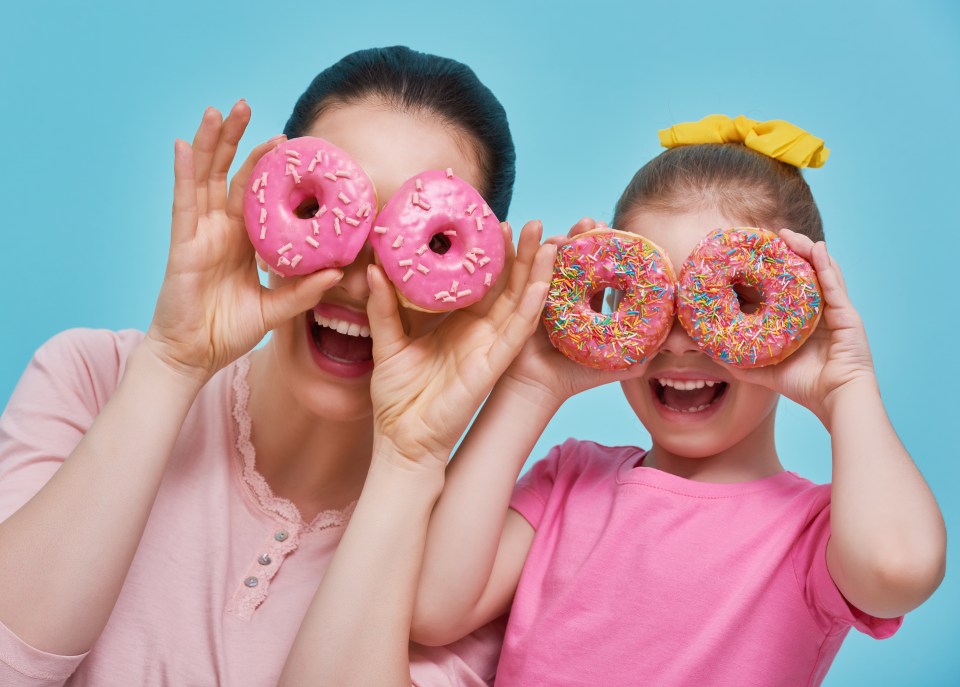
pixel 343 348
pixel 685 400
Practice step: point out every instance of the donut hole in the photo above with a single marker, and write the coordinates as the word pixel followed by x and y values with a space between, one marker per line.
pixel 749 297
pixel 606 299
pixel 305 201
pixel 439 243
pixel 307 208
pixel 612 297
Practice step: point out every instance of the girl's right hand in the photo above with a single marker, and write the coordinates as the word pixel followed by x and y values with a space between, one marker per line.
pixel 542 374
pixel 212 308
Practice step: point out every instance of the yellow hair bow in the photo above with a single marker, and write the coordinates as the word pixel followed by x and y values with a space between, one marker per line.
pixel 776 138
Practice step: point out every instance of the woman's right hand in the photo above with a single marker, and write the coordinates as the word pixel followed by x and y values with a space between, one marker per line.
pixel 541 373
pixel 212 308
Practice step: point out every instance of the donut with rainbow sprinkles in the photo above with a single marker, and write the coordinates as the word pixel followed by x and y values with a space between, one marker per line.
pixel 729 262
pixel 584 268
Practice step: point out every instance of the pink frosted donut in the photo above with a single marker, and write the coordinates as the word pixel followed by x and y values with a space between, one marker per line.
pixel 308 206
pixel 438 242
pixel 585 267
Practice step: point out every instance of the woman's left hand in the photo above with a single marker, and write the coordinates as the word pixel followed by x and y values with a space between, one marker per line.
pixel 426 390
pixel 836 354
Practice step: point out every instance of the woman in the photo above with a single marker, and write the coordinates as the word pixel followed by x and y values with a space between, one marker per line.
pixel 170 501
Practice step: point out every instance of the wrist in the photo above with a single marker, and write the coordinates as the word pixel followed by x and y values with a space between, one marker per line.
pixel 857 394
pixel 398 471
pixel 158 356
pixel 145 361
pixel 537 397
pixel 414 459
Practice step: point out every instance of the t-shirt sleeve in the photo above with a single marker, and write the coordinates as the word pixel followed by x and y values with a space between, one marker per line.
pixel 23 666
pixel 66 383
pixel 534 486
pixel 829 607
pixel 468 662
pixel 62 390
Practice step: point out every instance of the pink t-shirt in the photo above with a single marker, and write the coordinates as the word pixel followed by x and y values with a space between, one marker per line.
pixel 225 570
pixel 636 576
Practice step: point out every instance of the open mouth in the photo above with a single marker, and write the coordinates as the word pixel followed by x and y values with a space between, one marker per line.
pixel 341 341
pixel 687 395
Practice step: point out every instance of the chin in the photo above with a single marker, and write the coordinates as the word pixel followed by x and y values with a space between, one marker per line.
pixel 313 362
pixel 701 420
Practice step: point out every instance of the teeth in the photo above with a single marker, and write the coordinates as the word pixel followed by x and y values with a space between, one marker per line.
pixel 689 410
pixel 686 384
pixel 342 326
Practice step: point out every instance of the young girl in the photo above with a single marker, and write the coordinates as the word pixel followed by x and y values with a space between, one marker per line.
pixel 171 501
pixel 700 560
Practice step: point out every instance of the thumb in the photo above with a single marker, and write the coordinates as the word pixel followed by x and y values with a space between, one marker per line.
pixel 280 304
pixel 386 330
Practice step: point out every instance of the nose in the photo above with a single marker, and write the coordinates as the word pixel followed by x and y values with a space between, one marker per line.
pixel 678 341
pixel 354 281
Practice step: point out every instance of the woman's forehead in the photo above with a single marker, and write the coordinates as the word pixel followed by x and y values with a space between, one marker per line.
pixel 393 146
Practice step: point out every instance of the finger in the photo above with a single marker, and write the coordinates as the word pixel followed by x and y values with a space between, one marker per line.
pixel 386 329
pixel 519 327
pixel 527 248
pixel 204 144
pixel 582 226
pixel 828 274
pixel 507 232
pixel 543 262
pixel 835 266
pixel 522 320
pixel 239 182
pixel 280 304
pixel 800 244
pixel 225 151
pixel 184 224
pixel 558 240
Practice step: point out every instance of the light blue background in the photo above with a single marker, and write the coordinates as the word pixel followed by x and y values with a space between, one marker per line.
pixel 93 94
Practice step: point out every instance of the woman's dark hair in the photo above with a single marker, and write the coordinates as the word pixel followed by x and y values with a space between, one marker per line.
pixel 414 82
pixel 739 181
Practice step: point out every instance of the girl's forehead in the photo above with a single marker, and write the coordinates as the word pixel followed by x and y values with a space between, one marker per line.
pixel 678 231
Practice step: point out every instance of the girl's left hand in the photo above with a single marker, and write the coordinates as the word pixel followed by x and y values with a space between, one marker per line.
pixel 425 391
pixel 836 354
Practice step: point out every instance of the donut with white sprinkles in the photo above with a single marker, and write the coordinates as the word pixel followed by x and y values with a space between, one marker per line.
pixel 438 242
pixel 308 206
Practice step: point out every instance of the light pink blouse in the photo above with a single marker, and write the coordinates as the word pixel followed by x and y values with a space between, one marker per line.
pixel 225 570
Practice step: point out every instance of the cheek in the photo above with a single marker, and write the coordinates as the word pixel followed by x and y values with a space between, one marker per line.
pixel 637 394
pixel 757 401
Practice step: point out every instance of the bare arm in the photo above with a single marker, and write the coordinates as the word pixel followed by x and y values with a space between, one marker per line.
pixel 888 544
pixel 357 628
pixel 424 393
pixel 65 554
pixel 476 545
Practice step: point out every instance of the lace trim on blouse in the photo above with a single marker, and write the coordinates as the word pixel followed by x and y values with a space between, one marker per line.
pixel 254 481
